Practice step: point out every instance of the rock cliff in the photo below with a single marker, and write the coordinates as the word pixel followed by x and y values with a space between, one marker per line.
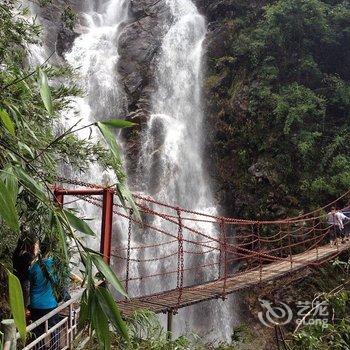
pixel 267 86
pixel 139 44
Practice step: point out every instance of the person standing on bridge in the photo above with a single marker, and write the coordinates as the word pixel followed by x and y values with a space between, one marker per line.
pixel 22 259
pixel 42 278
pixel 336 218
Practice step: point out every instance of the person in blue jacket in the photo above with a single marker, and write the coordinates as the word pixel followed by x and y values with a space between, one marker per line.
pixel 42 279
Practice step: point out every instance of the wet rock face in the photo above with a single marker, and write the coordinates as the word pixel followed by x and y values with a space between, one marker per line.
pixel 139 44
pixel 65 39
pixel 58 36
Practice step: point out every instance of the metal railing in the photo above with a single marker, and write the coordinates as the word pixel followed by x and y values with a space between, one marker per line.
pixel 59 336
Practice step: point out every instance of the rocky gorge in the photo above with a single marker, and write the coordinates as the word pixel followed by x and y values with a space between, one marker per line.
pixel 275 96
pixel 241 172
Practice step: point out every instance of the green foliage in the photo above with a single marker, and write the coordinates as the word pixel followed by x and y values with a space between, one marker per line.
pixel 334 334
pixel 326 324
pixel 114 149
pixel 45 90
pixel 99 309
pixel 147 333
pixel 109 307
pixel 30 157
pixel 5 118
pixel 17 304
pixel 241 335
pixel 8 210
pixel 69 17
pixel 107 272
pixel 78 223
pixel 281 106
pixel 118 123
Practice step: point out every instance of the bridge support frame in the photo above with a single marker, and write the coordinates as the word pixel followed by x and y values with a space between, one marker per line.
pixel 169 324
pixel 107 213
pixel 106 225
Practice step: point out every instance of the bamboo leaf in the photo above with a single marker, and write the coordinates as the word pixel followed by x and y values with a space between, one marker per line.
pixel 127 195
pixel 45 92
pixel 86 260
pixel 56 223
pixel 108 273
pixel 101 326
pixel 6 120
pixel 84 310
pixel 110 308
pixel 14 111
pixel 110 139
pixel 17 304
pixel 7 207
pixel 118 123
pixel 30 184
pixel 78 223
pixel 26 150
pixel 11 181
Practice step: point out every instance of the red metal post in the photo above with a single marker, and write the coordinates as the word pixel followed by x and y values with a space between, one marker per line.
pixel 106 227
pixel 58 196
pixel 225 259
pixel 260 257
pixel 80 192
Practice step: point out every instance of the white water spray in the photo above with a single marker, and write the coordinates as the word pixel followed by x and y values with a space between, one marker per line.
pixel 95 55
pixel 171 163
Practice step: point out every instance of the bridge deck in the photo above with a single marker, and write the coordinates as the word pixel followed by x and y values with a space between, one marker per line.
pixel 168 300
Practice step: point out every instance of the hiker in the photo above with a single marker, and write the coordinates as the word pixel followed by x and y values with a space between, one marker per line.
pixel 42 278
pixel 21 260
pixel 336 219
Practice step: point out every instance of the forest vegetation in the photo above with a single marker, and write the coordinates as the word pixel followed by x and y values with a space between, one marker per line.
pixel 279 98
pixel 33 146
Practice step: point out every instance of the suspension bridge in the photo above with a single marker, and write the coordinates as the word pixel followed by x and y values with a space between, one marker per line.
pixel 196 256
pixel 172 257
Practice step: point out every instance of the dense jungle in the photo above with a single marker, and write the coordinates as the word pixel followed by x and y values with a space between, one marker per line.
pixel 233 108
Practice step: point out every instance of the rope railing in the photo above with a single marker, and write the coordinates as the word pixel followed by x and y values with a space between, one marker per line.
pixel 300 218
pixel 256 251
pixel 197 247
pixel 195 256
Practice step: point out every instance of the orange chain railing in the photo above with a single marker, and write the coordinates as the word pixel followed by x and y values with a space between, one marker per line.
pixel 198 247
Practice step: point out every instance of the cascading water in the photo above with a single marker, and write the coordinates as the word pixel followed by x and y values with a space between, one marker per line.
pixel 171 161
pixel 177 116
pixel 95 52
pixel 95 55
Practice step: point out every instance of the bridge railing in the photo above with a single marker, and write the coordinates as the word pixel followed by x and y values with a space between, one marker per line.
pixel 42 335
pixel 173 248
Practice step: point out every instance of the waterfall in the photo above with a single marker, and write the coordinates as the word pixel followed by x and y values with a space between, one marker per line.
pixel 95 56
pixel 171 165
pixel 95 53
pixel 177 116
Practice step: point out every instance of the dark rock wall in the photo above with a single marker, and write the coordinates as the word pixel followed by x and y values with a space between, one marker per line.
pixel 219 77
pixel 58 36
pixel 139 44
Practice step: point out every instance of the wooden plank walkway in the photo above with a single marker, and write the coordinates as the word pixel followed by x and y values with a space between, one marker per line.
pixel 168 300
